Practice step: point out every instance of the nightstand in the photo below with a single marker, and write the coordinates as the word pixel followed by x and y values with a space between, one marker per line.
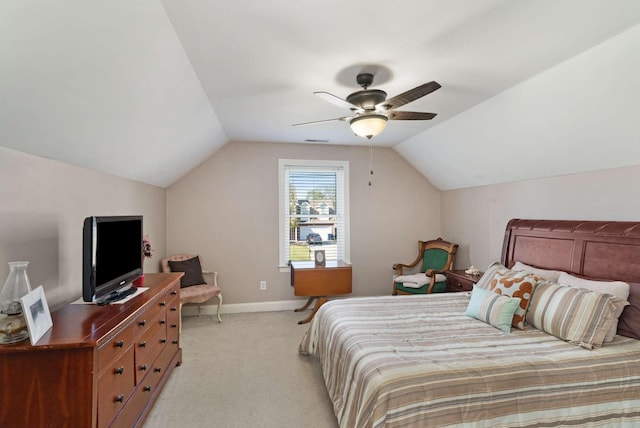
pixel 457 280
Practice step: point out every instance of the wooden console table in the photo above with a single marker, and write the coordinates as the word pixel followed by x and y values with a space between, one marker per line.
pixel 319 282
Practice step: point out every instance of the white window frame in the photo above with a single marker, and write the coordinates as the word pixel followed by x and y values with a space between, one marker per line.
pixel 284 196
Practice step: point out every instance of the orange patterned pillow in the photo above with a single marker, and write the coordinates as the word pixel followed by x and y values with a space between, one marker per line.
pixel 515 284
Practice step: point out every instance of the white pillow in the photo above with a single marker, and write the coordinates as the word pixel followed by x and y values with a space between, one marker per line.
pixel 549 275
pixel 616 288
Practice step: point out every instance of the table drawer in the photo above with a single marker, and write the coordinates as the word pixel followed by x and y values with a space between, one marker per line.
pixel 455 285
pixel 459 281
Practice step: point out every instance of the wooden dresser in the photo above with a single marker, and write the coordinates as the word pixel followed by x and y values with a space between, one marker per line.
pixel 99 366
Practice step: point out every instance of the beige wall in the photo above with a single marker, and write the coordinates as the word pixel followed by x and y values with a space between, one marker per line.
pixel 477 217
pixel 43 204
pixel 226 210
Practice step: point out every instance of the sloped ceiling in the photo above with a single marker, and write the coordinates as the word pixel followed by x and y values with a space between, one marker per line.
pixel 148 89
pixel 104 85
pixel 579 116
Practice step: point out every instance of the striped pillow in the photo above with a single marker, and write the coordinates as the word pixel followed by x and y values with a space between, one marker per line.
pixel 573 314
pixel 615 288
pixel 494 309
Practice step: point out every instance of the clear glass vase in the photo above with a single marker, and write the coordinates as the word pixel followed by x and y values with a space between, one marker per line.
pixel 13 327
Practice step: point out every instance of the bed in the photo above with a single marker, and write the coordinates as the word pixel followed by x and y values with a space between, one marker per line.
pixel 419 361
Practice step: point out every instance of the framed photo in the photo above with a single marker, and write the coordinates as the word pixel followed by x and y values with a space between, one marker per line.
pixel 318 255
pixel 36 313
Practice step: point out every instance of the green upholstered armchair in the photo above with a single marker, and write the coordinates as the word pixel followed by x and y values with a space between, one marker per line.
pixel 434 257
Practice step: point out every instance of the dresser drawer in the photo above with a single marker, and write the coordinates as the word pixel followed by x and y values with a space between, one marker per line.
pixel 149 345
pixel 130 415
pixel 161 365
pixel 173 338
pixel 173 315
pixel 144 321
pixel 114 348
pixel 174 291
pixel 115 386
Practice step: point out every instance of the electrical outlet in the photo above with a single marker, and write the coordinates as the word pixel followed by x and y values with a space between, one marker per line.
pixel 263 285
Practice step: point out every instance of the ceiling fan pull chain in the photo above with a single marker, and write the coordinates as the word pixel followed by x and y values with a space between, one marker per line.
pixel 370 162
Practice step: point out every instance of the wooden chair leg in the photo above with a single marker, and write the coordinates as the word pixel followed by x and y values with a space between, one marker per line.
pixel 219 305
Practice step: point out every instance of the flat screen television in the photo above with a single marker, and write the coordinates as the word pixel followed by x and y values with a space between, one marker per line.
pixel 111 257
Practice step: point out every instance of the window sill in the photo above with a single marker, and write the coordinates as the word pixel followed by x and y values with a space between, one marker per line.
pixel 284 268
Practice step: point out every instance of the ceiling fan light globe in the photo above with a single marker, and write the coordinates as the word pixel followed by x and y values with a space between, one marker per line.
pixel 368 125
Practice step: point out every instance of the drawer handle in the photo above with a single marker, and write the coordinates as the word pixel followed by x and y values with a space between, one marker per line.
pixel 163 341
pixel 146 389
pixel 119 344
pixel 163 304
pixel 157 369
pixel 174 325
pixel 142 323
pixel 163 322
pixel 119 370
pixel 143 367
pixel 173 309
pixel 174 293
pixel 143 344
pixel 119 398
pixel 175 342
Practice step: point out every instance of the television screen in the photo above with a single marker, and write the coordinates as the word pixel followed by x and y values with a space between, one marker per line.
pixel 112 255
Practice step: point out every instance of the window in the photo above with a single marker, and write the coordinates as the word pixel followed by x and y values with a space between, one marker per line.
pixel 314 209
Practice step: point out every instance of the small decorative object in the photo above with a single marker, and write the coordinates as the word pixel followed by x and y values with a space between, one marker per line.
pixel 473 271
pixel 147 252
pixel 319 258
pixel 36 312
pixel 13 327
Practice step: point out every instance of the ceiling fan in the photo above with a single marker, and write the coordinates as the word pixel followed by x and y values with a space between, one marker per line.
pixel 371 108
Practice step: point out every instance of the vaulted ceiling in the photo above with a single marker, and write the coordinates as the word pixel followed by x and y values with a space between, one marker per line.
pixel 148 89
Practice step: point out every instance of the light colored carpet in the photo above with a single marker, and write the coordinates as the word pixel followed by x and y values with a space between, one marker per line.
pixel 245 372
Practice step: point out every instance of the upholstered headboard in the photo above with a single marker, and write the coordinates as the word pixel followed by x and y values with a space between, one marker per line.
pixel 608 250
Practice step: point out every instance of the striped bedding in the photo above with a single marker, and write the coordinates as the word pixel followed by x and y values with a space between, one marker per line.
pixel 417 361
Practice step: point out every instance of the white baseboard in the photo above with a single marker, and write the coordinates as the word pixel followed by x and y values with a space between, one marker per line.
pixel 235 308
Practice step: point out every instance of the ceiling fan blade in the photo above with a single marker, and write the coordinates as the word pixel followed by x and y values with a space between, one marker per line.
pixel 410 95
pixel 338 101
pixel 410 115
pixel 339 119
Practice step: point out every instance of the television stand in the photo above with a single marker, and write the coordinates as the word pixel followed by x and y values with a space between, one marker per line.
pixel 116 295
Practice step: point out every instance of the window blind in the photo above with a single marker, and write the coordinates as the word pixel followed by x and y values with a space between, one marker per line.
pixel 314 203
